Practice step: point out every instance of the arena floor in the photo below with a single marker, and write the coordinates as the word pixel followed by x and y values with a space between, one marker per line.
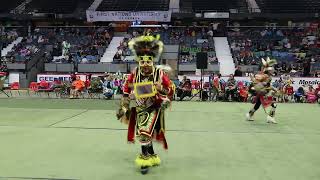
pixel 81 139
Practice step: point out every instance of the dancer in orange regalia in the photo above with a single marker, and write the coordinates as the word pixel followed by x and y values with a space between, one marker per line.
pixel 262 90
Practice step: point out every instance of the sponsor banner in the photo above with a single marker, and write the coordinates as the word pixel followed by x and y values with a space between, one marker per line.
pixel 159 16
pixel 216 15
pixel 297 81
pixel 58 77
pixel 13 77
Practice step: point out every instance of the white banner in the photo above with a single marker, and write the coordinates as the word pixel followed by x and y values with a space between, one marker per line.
pixel 216 15
pixel 297 81
pixel 159 16
pixel 58 77
pixel 14 77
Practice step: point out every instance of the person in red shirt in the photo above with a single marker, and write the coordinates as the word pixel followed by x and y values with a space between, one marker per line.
pixel 216 88
pixel 288 92
pixel 317 92
pixel 146 119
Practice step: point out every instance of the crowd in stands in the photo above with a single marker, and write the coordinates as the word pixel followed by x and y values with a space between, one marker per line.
pixel 61 45
pixel 218 89
pixel 296 49
pixel 7 37
pixel 23 51
pixel 191 39
pixel 78 45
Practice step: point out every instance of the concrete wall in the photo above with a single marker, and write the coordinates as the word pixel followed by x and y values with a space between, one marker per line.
pixel 193 67
pixel 16 66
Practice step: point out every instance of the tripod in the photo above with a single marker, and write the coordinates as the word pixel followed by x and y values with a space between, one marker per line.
pixel 1 86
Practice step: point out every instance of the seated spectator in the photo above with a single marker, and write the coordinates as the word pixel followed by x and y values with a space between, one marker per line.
pixel 184 89
pixel 288 92
pixel 231 88
pixel 76 88
pixel 299 95
pixel 117 57
pixel 311 95
pixel 108 87
pixel 238 72
pixel 317 92
pixel 243 92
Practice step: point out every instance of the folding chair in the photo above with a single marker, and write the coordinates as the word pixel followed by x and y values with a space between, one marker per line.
pixel 46 89
pixel 33 87
pixel 15 86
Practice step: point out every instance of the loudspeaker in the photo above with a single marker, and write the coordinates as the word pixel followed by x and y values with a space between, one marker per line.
pixel 202 60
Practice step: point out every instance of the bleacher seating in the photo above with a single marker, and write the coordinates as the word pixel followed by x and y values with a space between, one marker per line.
pixel 294 48
pixel 289 6
pixel 7 5
pixel 142 5
pixel 192 40
pixel 87 45
pixel 7 36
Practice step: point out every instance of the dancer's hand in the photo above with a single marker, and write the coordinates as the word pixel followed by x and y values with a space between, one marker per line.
pixel 158 86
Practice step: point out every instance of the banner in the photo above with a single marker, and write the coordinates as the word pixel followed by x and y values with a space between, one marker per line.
pixel 58 77
pixel 216 15
pixel 297 81
pixel 14 77
pixel 159 16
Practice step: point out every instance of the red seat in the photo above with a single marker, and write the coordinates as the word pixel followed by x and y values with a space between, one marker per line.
pixel 33 86
pixel 45 86
pixel 15 86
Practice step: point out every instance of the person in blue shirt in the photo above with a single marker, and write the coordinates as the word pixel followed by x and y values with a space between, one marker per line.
pixel 108 88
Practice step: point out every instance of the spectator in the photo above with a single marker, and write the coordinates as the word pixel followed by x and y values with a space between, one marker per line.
pixel 299 94
pixel 216 89
pixel 117 57
pixel 108 87
pixel 184 89
pixel 231 88
pixel 311 95
pixel 76 88
pixel 317 92
pixel 238 72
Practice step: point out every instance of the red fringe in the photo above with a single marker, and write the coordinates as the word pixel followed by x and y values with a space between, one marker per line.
pixel 132 125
